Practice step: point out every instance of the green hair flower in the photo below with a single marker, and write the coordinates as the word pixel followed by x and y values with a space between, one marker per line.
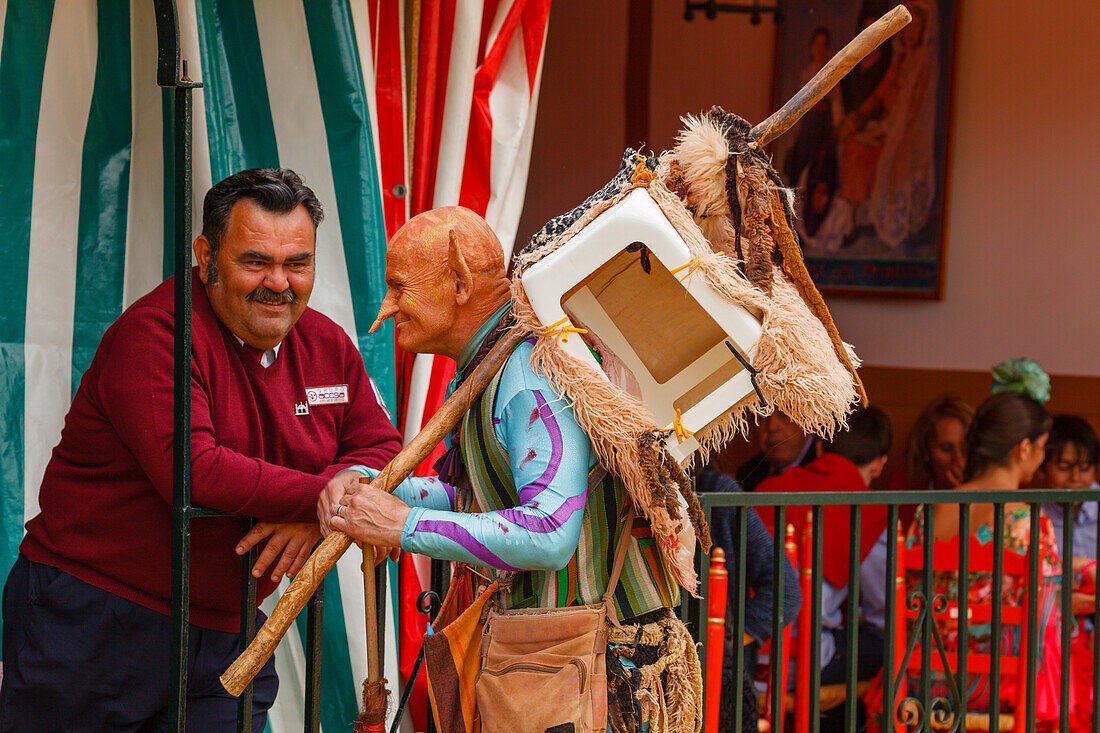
pixel 1021 375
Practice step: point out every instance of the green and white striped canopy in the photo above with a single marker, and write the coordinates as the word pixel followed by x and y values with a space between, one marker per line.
pixel 85 180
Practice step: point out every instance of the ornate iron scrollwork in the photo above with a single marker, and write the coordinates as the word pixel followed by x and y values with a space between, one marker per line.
pixel 942 710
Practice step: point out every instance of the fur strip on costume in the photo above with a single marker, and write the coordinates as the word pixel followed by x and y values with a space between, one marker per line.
pixel 668 680
pixel 615 422
pixel 798 370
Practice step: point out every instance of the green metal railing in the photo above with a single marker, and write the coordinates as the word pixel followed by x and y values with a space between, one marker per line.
pixel 916 709
pixel 172 74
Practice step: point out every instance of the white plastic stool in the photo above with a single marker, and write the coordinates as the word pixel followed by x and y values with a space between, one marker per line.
pixel 666 325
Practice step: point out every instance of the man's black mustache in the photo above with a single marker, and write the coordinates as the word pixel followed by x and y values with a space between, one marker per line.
pixel 270 297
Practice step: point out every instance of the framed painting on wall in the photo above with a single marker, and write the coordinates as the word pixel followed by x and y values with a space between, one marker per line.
pixel 869 162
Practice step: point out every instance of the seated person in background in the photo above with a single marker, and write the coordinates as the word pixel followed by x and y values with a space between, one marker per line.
pixel 759 583
pixel 1070 463
pixel 1005 446
pixel 935 450
pixel 782 444
pixel 1072 452
pixel 849 462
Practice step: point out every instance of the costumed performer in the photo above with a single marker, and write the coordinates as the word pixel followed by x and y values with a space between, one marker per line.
pixel 87 604
pixel 519 448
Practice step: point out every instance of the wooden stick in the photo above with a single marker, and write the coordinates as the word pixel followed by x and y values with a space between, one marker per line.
pixel 831 73
pixel 309 578
pixel 370 599
pixel 376 697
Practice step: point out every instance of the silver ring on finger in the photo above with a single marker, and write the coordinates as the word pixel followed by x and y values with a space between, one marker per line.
pixel 338 509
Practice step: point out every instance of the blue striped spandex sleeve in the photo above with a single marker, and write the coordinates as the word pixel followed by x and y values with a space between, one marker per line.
pixel 550 456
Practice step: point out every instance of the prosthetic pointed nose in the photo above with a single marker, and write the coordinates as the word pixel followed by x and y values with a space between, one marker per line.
pixel 388 310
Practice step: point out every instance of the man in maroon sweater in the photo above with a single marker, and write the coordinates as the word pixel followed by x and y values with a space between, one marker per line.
pixel 281 404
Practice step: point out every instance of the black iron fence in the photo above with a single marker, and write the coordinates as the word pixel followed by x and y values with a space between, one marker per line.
pixel 172 74
pixel 929 667
pixel 928 677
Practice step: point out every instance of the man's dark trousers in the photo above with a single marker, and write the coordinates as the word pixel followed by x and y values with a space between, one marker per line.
pixel 77 658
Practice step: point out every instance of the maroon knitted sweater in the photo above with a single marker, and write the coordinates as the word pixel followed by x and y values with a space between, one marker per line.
pixel 106 495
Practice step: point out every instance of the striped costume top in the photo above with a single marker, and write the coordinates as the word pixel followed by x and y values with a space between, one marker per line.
pixel 528 461
pixel 643 586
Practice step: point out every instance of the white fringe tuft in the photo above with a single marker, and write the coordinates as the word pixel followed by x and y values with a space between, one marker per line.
pixel 702 150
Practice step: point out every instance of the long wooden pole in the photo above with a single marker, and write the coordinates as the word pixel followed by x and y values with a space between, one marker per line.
pixel 831 73
pixel 372 718
pixel 370 599
pixel 297 594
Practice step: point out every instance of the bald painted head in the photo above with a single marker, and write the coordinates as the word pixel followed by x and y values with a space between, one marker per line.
pixel 445 275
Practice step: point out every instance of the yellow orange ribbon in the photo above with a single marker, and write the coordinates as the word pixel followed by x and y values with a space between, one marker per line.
pixel 691 266
pixel 679 429
pixel 642 176
pixel 564 328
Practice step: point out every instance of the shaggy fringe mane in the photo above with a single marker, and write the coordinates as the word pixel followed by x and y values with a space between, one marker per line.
pixel 803 368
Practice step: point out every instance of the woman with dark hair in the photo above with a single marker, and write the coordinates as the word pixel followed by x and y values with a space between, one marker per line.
pixel 935 451
pixel 1005 445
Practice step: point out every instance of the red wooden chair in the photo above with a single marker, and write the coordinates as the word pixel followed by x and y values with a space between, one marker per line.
pixel 717 583
pixel 945 556
pixel 802 691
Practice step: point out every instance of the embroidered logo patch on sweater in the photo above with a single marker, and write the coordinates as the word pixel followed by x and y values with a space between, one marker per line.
pixel 336 394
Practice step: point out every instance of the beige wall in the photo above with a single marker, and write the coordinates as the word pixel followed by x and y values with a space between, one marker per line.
pixel 696 65
pixel 579 127
pixel 1023 250
pixel 1023 247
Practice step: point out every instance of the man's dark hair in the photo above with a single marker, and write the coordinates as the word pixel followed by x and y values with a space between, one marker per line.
pixel 868 436
pixel 1072 430
pixel 278 190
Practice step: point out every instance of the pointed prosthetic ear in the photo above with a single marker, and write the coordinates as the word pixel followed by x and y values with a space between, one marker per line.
pixel 388 310
pixel 464 281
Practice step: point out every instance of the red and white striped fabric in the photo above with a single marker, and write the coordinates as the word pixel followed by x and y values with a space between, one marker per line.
pixel 477 71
